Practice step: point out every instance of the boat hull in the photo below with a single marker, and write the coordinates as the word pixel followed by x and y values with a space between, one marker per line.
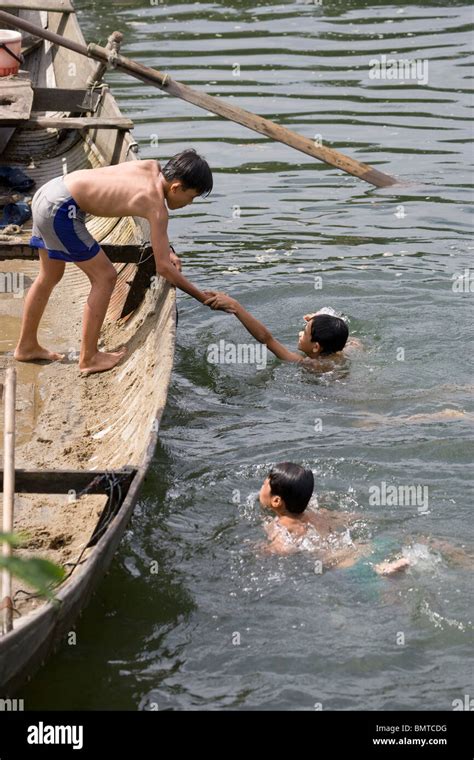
pixel 66 421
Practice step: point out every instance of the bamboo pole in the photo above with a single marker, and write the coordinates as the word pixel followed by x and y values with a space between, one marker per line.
pixel 210 103
pixel 8 491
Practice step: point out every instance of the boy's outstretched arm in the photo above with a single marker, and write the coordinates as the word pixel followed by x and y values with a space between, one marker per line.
pixel 164 266
pixel 255 328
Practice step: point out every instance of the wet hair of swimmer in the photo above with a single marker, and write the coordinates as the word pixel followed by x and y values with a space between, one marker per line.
pixel 294 484
pixel 191 169
pixel 330 332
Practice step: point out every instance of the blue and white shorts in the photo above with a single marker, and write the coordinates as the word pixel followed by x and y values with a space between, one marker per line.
pixel 59 225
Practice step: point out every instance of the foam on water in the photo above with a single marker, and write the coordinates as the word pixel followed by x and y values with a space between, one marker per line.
pixel 441 621
pixel 421 556
pixel 333 313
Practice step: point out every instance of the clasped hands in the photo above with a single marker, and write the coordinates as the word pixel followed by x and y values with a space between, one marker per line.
pixel 220 301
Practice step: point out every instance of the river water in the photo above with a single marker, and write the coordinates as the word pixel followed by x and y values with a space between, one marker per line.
pixel 192 615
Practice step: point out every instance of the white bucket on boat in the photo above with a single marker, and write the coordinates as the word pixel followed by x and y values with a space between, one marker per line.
pixel 12 40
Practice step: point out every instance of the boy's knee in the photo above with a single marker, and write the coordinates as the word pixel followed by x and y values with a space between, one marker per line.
pixel 51 278
pixel 106 278
pixel 57 277
pixel 111 276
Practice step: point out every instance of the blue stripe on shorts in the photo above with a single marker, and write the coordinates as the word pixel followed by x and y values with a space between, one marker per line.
pixel 59 225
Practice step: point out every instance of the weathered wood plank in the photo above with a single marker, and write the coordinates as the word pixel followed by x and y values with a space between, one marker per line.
pixel 62 481
pixel 60 6
pixel 118 254
pixel 81 122
pixel 125 254
pixel 140 283
pixel 5 136
pixel 16 100
pixel 61 99
pixel 30 43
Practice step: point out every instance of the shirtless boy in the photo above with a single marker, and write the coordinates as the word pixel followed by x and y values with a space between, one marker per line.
pixel 324 337
pixel 135 188
pixel 287 491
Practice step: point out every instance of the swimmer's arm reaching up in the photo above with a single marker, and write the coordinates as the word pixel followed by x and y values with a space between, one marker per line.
pixel 254 327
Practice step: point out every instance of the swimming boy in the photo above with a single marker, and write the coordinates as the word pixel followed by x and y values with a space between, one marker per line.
pixel 324 335
pixel 287 491
pixel 132 188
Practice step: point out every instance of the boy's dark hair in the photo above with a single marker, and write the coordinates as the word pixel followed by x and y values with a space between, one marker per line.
pixel 330 332
pixel 293 484
pixel 192 170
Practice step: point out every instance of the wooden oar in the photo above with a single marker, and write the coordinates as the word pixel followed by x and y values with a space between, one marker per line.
pixel 8 490
pixel 210 103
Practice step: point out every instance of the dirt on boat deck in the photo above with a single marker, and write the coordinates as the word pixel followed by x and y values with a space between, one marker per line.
pixel 68 421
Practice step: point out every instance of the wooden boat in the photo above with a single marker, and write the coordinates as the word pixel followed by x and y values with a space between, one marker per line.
pixel 83 443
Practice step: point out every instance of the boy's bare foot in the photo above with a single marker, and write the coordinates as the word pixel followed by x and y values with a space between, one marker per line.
pixel 389 568
pixel 36 353
pixel 102 361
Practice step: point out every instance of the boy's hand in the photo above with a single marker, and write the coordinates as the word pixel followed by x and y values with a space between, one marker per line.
pixel 176 261
pixel 222 302
pixel 307 317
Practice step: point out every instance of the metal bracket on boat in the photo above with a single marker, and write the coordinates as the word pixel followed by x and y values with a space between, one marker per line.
pixel 133 146
pixel 92 98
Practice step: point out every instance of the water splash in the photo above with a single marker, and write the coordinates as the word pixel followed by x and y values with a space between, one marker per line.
pixel 440 621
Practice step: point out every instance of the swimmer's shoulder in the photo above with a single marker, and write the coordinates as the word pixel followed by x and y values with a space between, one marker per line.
pixel 295 526
pixel 353 344
pixel 324 363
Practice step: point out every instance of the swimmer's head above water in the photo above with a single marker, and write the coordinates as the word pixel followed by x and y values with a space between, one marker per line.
pixel 324 334
pixel 288 488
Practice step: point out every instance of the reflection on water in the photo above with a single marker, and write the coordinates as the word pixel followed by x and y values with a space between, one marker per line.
pixel 388 259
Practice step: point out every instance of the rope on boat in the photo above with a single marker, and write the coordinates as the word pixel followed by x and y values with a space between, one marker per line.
pixel 110 510
pixel 113 483
pixel 94 86
pixel 112 506
pixel 9 231
pixel 143 248
pixel 112 57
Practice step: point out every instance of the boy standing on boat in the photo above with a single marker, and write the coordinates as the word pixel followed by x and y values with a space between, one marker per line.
pixel 135 188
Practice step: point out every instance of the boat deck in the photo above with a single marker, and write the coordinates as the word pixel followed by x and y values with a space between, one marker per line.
pixel 67 421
